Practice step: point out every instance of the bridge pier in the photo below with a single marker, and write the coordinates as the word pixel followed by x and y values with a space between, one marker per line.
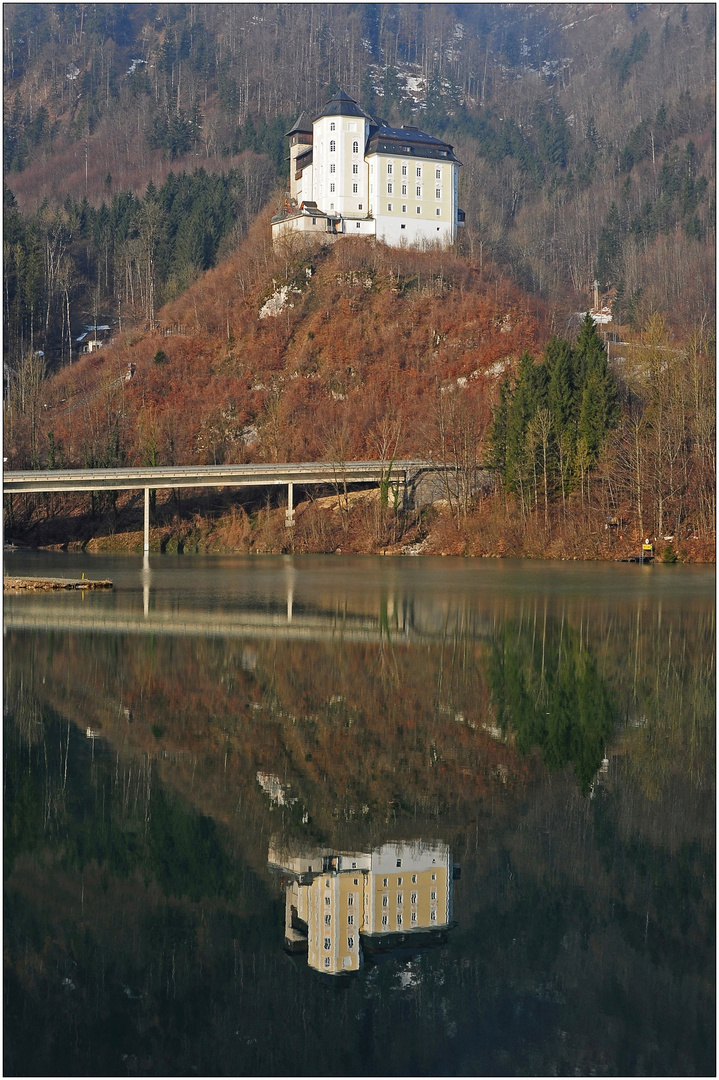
pixel 146 530
pixel 290 511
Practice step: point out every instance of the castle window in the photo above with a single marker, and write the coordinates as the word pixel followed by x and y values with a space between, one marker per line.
pixel 356 880
pixel 399 862
pixel 389 207
pixel 332 126
pixel 404 189
pixel 399 880
pixel 404 170
pixel 350 920
pixel 332 168
pixel 389 189
pixel 385 901
pixel 328 920
pixel 434 877
pixel 327 961
pixel 433 895
pixel 385 920
pixel 438 193
pixel 438 211
pixel 332 188
pixel 350 943
pixel 355 147
pixel 400 898
pixel 419 192
pixel 359 206
pixel 385 882
pixel 399 919
pixel 355 189
pixel 414 916
pixel 333 146
pixel 433 916
pixel 350 900
pixel 389 168
pixel 404 210
pixel 328 900
pixel 332 206
pixel 355 170
pixel 414 879
pixel 328 943
pixel 438 174
pixel 419 170
pixel 419 209
pixel 413 897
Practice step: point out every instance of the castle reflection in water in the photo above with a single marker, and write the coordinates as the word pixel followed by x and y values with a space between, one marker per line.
pixel 339 905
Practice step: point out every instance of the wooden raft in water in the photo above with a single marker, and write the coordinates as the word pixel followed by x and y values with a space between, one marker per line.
pixel 36 584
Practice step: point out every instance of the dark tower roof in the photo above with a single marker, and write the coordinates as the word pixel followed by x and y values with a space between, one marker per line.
pixel 342 105
pixel 302 124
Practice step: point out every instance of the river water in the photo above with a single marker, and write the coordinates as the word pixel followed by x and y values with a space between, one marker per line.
pixel 342 816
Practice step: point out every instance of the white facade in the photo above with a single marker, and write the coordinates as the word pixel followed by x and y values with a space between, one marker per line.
pixel 366 179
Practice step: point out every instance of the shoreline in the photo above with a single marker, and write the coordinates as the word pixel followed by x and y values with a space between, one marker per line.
pixel 360 526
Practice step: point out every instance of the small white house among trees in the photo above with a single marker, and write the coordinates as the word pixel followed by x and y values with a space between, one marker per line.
pixel 351 175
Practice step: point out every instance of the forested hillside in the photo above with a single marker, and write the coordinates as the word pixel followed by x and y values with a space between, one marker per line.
pixel 144 155
pixel 585 133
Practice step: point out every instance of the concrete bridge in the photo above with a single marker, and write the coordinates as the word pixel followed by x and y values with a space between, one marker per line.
pixel 337 474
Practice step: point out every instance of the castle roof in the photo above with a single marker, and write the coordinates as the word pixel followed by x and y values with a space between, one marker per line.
pixel 302 124
pixel 341 105
pixel 407 140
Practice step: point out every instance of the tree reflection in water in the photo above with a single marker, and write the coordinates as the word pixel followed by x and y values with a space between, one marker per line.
pixel 548 693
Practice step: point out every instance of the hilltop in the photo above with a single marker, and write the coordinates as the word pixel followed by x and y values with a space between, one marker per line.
pixel 585 133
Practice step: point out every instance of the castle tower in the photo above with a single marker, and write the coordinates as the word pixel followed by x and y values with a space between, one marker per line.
pixel 300 136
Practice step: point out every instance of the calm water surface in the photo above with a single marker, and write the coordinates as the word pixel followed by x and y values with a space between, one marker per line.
pixel 303 816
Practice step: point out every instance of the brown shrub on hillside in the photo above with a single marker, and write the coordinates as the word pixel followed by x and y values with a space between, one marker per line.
pixel 366 333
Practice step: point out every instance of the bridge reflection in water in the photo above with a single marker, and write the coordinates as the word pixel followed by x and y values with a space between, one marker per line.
pixel 340 905
pixel 293 617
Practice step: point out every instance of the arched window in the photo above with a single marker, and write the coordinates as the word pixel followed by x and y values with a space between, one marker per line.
pixel 355 147
pixel 332 126
pixel 333 146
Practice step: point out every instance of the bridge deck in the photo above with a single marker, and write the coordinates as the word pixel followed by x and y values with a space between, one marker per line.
pixel 192 476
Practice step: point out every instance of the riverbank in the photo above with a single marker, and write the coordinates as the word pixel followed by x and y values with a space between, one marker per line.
pixel 357 524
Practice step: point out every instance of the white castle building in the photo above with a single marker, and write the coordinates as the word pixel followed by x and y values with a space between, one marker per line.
pixel 350 175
